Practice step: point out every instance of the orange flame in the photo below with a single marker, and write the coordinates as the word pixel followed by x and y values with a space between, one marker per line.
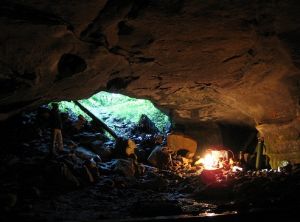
pixel 214 159
pixel 210 161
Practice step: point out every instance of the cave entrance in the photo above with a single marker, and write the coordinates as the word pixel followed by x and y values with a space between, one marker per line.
pixel 118 112
pixel 123 114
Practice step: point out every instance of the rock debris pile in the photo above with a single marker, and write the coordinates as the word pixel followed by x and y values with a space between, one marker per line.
pixel 90 180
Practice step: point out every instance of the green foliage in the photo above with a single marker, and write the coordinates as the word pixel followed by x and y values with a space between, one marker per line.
pixel 70 107
pixel 119 107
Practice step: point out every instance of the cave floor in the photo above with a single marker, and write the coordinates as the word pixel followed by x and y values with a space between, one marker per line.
pixel 39 187
pixel 157 194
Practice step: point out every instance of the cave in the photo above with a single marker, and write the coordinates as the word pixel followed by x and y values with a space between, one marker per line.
pixel 222 76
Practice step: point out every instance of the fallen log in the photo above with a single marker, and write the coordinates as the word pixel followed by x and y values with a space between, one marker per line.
pixel 97 120
pixel 123 146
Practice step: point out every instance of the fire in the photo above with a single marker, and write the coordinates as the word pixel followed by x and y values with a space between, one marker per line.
pixel 209 161
pixel 217 159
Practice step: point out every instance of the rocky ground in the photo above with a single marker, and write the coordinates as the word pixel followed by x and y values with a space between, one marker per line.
pixel 88 181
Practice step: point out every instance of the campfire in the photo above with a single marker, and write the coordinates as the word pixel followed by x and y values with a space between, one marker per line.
pixel 216 165
pixel 215 158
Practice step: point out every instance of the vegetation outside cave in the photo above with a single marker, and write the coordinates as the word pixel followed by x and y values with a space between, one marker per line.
pixel 116 108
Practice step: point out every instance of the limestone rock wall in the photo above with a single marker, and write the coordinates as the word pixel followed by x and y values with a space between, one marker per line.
pixel 203 61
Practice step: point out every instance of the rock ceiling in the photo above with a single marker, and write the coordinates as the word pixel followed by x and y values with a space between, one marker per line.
pixel 203 61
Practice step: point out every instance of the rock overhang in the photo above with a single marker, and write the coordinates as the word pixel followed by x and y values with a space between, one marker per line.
pixel 205 62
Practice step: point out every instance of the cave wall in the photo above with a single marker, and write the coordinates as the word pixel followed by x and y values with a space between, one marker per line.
pixel 206 61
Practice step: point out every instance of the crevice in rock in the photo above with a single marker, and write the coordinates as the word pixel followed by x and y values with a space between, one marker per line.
pixel 97 38
pixel 176 90
pixel 137 8
pixel 114 10
pixel 201 85
pixel 129 56
pixel 70 64
pixel 120 83
pixel 26 13
pixel 124 28
pixel 140 60
pixel 231 58
pixel 117 50
pixel 251 52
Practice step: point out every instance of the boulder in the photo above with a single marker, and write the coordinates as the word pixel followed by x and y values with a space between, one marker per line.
pixel 145 126
pixel 160 157
pixel 95 146
pixel 176 142
pixel 87 138
pixel 124 147
pixel 59 175
pixel 130 149
pixel 85 154
pixel 124 167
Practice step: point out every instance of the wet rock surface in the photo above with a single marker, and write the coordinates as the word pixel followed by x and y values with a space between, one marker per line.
pixel 80 185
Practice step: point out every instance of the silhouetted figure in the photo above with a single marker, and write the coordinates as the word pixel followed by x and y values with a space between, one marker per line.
pixel 56 126
pixel 42 120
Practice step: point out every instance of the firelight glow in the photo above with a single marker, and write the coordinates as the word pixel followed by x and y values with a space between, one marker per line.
pixel 214 159
pixel 209 161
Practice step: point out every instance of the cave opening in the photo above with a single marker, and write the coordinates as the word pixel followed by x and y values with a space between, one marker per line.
pixel 119 112
pixel 122 113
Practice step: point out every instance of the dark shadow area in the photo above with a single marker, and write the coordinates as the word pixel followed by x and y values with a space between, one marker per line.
pixel 239 137
pixel 69 65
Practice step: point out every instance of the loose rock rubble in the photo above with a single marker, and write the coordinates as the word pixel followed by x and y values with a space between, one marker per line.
pixel 88 181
